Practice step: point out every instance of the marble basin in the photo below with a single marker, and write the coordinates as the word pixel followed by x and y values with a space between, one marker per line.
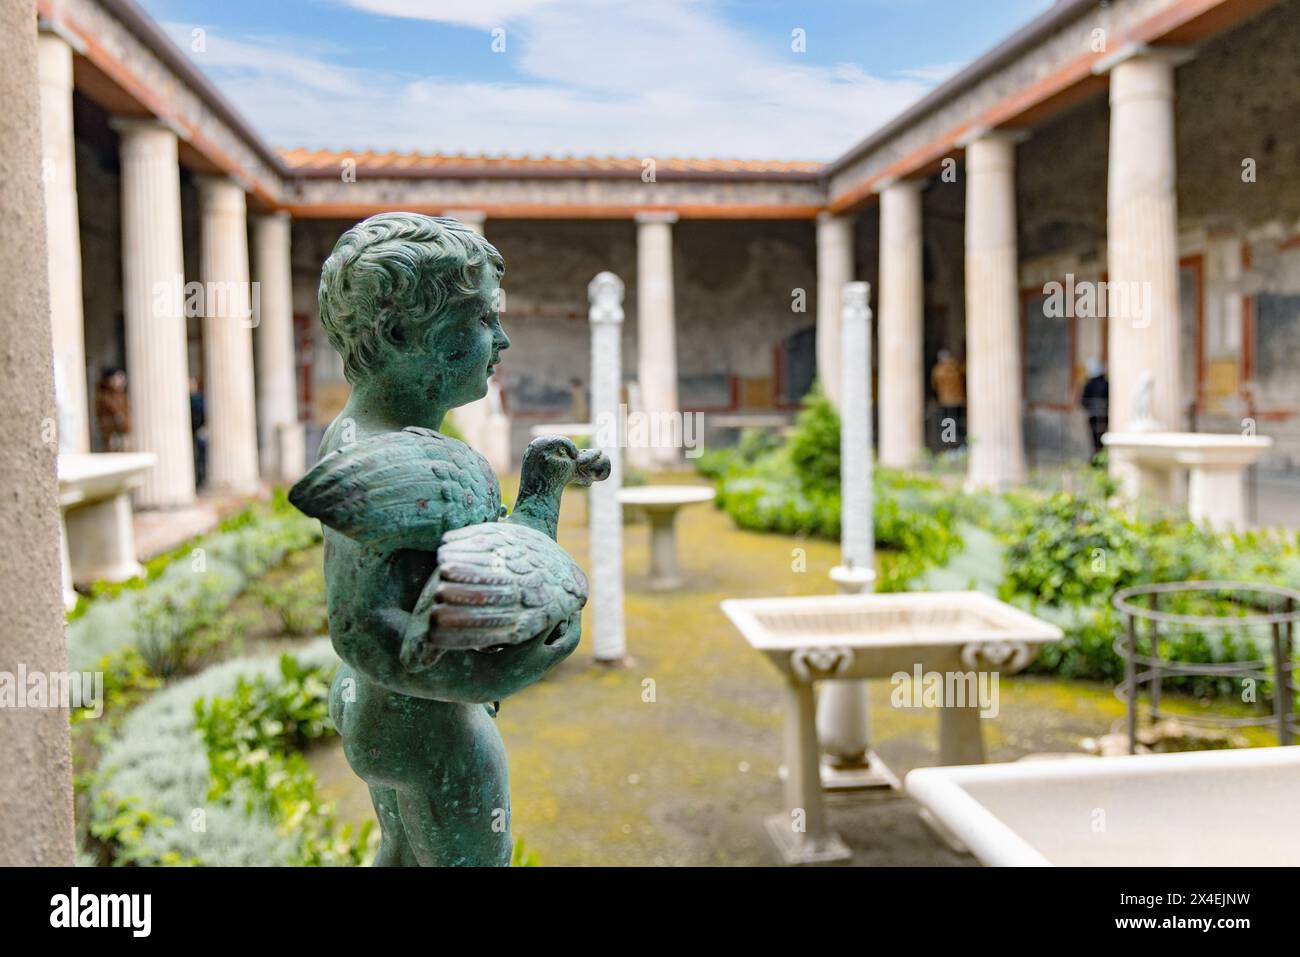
pixel 1195 809
pixel 1151 464
pixel 857 636
pixel 873 636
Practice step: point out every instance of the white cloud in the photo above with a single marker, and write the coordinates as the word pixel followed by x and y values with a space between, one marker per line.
pixel 936 73
pixel 483 14
pixel 607 77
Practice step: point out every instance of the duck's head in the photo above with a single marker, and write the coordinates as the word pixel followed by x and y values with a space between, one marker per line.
pixel 555 460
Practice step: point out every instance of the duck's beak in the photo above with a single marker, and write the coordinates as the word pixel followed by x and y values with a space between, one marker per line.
pixel 593 466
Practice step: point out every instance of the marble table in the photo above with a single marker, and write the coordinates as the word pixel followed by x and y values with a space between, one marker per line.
pixel 660 504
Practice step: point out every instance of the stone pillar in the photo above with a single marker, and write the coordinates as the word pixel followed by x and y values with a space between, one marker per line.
pixel 63 240
pixel 227 336
pixel 902 325
pixel 993 376
pixel 157 363
pixel 606 512
pixel 844 707
pixel 657 336
pixel 1142 240
pixel 280 434
pixel 35 766
pixel 834 269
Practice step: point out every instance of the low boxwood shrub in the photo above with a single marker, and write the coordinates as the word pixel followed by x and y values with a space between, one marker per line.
pixel 208 771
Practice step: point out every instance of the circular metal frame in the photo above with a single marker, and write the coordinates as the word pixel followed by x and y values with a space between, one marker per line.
pixel 1278 668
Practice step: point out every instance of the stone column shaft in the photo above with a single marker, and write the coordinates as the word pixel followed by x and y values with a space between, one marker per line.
pixel 1142 241
pixel 157 363
pixel 277 372
pixel 606 516
pixel 657 331
pixel 902 326
pixel 63 241
pixel 993 375
pixel 35 767
pixel 227 337
pixel 834 269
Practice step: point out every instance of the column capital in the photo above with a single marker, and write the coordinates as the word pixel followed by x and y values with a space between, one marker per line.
pixel 644 216
pixel 896 182
pixel 222 194
pixel 133 127
pixel 273 216
pixel 1174 54
pixel 56 28
pixel 605 292
pixel 993 134
pixel 470 217
pixel 826 217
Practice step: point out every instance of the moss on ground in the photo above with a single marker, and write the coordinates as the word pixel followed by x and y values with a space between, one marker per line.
pixel 602 775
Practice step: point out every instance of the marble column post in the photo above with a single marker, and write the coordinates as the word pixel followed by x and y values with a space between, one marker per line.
pixel 227 336
pixel 280 434
pixel 606 512
pixel 834 269
pixel 844 707
pixel 993 376
pixel 63 240
pixel 35 765
pixel 1142 239
pixel 656 325
pixel 902 325
pixel 157 363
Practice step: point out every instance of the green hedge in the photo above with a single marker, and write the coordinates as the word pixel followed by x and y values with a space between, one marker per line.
pixel 794 489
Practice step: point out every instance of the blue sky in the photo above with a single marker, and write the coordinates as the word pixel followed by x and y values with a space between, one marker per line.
pixel 717 78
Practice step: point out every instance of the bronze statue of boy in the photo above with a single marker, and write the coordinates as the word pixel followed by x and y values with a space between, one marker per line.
pixel 438 606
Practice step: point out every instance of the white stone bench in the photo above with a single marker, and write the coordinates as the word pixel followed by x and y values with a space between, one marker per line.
pixel 95 505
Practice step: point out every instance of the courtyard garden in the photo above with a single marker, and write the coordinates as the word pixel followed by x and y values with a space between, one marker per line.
pixel 215 746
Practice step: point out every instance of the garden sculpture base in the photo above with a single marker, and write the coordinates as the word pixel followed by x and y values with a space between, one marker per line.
pixel 848 637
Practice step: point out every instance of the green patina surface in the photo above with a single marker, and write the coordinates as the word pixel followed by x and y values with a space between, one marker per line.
pixel 438 610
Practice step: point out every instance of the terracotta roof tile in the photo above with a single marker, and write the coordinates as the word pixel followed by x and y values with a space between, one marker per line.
pixel 304 160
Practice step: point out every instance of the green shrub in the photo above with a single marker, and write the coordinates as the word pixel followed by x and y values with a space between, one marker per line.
pixel 229 789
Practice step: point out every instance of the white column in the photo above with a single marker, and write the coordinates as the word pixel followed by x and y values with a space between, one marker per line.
pixel 657 333
pixel 997 455
pixel 227 336
pixel 844 707
pixel 606 516
pixel 63 242
pixel 834 269
pixel 152 283
pixel 1142 239
pixel 902 325
pixel 36 828
pixel 280 434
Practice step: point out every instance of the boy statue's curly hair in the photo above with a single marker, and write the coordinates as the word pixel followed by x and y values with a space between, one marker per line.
pixel 391 275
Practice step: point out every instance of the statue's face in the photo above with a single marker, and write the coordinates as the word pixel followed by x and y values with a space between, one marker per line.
pixel 466 345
